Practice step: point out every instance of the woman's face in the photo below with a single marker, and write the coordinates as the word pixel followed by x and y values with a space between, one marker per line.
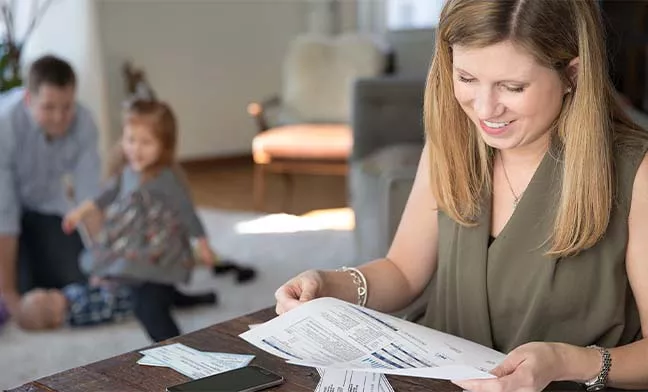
pixel 511 98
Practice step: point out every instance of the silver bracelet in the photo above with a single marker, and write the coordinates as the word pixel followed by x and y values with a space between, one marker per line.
pixel 361 283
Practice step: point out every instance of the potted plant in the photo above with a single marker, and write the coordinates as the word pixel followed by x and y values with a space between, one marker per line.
pixel 11 46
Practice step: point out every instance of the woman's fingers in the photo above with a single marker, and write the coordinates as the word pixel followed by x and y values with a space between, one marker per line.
pixel 309 289
pixel 295 292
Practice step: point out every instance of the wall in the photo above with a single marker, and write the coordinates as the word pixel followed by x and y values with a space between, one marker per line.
pixel 69 31
pixel 332 16
pixel 209 59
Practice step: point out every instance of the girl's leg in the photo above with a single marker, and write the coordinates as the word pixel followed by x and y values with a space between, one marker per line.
pixel 182 300
pixel 153 302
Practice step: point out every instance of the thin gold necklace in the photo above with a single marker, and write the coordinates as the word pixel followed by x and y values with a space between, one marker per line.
pixel 516 198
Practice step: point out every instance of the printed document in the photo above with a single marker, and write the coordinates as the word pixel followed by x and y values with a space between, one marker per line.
pixel 333 380
pixel 191 362
pixel 332 334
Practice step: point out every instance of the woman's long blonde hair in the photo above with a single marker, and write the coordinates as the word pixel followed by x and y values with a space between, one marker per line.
pixel 590 123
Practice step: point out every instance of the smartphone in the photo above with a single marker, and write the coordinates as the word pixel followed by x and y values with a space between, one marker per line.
pixel 246 379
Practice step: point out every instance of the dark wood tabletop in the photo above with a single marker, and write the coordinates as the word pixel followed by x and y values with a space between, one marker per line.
pixel 123 374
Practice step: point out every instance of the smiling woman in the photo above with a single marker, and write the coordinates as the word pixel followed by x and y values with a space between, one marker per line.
pixel 513 103
pixel 530 204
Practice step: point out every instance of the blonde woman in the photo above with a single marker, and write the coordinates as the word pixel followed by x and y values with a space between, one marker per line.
pixel 530 205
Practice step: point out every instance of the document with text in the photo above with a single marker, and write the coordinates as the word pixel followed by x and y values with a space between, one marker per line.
pixel 335 380
pixel 332 334
pixel 191 362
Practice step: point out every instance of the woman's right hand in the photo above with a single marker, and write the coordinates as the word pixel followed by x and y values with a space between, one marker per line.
pixel 298 290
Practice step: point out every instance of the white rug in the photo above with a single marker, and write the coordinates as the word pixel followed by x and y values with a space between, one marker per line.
pixel 279 246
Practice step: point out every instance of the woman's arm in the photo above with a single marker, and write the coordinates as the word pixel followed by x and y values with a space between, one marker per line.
pixel 630 363
pixel 395 281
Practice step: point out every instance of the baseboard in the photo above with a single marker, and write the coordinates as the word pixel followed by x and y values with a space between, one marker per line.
pixel 233 160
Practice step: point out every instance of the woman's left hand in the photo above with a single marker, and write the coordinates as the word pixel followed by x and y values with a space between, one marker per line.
pixel 528 368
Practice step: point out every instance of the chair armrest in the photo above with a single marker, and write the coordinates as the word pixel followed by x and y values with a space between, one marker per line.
pixel 386 111
pixel 257 110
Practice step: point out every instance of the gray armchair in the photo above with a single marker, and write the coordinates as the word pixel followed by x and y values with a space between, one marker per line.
pixel 388 138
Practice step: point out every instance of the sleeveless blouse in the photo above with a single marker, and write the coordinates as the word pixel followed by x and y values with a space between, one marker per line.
pixel 511 293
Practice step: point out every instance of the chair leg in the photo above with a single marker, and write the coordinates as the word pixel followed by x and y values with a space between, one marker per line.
pixel 258 192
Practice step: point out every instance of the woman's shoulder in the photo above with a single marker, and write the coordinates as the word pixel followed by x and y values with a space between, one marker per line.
pixel 630 161
pixel 630 140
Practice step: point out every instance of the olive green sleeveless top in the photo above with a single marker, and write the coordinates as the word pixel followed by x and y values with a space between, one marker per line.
pixel 511 293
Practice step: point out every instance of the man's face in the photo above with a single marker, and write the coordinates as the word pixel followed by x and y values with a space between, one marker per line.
pixel 53 108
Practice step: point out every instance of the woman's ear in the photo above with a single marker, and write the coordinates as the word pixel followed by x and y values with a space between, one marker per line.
pixel 572 70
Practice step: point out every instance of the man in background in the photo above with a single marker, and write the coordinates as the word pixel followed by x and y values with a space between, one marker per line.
pixel 45 137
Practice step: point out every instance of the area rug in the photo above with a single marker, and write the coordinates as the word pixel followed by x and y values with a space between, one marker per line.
pixel 279 246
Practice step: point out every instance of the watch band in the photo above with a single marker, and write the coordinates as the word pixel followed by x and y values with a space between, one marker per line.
pixel 599 383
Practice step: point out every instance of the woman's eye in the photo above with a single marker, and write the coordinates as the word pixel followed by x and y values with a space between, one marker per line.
pixel 514 89
pixel 465 80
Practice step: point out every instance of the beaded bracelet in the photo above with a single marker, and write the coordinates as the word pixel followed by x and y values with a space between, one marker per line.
pixel 360 281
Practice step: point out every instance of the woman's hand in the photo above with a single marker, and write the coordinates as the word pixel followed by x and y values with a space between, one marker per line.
pixel 302 288
pixel 528 368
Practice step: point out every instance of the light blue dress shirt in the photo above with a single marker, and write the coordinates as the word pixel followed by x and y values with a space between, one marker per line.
pixel 32 168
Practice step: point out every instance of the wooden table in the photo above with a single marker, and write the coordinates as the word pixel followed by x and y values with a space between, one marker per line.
pixel 123 374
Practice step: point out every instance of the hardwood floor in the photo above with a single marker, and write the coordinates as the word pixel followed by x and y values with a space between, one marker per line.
pixel 227 184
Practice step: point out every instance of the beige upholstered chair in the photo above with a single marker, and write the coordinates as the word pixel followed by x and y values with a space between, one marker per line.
pixel 309 132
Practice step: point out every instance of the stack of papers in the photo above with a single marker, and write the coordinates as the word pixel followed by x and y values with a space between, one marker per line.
pixel 332 334
pixel 332 380
pixel 191 362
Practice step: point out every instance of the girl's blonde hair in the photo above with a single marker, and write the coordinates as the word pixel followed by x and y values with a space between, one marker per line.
pixel 590 123
pixel 159 118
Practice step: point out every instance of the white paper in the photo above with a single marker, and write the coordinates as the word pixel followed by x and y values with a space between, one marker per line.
pixel 237 359
pixel 332 380
pixel 333 334
pixel 148 361
pixel 191 362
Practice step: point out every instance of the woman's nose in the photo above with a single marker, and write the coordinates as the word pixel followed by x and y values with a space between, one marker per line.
pixel 486 104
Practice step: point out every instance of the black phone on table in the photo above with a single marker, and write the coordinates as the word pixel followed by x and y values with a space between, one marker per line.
pixel 246 379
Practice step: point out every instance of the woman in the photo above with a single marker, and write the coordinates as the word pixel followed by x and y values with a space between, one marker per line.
pixel 530 205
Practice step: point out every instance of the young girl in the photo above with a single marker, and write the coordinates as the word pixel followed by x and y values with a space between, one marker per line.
pixel 146 162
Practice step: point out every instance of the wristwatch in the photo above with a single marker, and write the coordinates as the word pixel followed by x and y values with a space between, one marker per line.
pixel 599 383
